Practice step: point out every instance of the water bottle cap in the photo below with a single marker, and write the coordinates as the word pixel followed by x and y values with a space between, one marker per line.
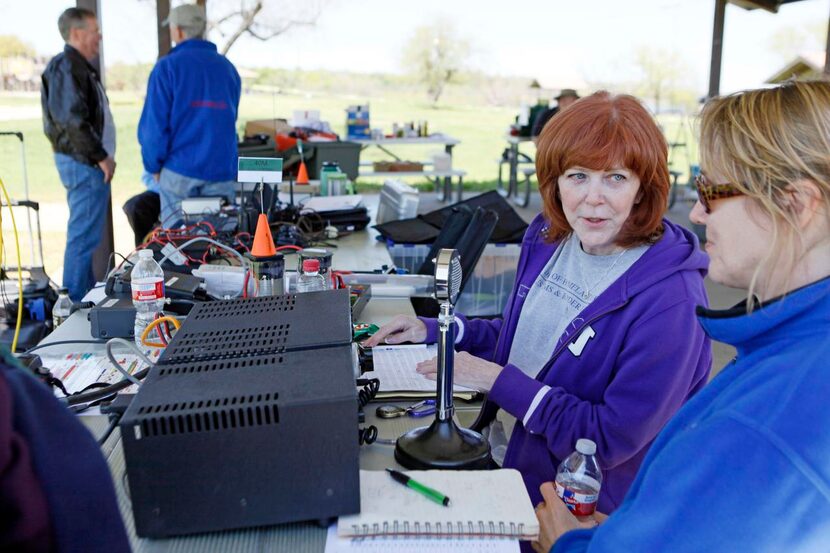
pixel 586 446
pixel 63 290
pixel 311 265
pixel 145 253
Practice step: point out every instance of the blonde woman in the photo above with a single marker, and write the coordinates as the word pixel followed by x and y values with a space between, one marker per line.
pixel 745 465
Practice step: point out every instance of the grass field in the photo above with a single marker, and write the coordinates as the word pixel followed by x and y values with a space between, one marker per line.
pixel 480 128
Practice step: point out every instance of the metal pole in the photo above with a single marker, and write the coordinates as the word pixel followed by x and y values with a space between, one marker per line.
pixel 29 211
pixel 446 342
pixel 162 11
pixel 717 48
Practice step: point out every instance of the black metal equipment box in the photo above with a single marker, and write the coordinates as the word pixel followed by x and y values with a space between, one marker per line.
pixel 252 427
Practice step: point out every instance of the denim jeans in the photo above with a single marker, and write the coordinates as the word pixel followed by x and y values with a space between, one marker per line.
pixel 88 197
pixel 173 188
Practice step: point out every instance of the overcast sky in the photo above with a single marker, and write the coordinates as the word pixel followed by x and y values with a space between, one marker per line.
pixel 556 41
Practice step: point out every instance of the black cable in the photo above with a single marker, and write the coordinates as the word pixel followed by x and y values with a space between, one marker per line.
pixel 83 304
pixel 63 343
pixel 114 420
pixel 104 392
pixel 368 435
pixel 368 392
pixel 77 409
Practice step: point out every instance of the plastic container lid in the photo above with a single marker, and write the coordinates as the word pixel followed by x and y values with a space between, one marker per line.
pixel 145 253
pixel 311 265
pixel 586 446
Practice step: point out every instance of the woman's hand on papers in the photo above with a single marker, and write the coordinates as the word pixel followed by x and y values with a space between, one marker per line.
pixel 469 370
pixel 402 328
pixel 555 519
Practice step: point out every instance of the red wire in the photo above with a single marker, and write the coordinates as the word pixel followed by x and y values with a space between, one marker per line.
pixel 241 243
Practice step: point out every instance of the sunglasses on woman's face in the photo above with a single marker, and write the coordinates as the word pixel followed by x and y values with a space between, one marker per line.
pixel 707 193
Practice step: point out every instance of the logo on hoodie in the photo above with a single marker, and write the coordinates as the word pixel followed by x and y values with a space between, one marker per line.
pixel 579 344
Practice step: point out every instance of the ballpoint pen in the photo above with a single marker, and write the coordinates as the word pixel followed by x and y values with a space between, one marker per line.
pixel 434 495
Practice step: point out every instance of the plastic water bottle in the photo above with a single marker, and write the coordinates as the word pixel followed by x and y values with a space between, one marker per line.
pixel 579 478
pixel 147 284
pixel 310 280
pixel 62 308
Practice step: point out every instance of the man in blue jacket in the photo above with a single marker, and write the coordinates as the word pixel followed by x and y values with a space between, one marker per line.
pixel 187 130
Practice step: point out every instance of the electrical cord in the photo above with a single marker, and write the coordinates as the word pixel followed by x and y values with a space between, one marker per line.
pixel 104 392
pixel 153 325
pixel 368 392
pixel 114 420
pixel 205 239
pixel 19 268
pixel 117 365
pixel 64 343
pixel 368 435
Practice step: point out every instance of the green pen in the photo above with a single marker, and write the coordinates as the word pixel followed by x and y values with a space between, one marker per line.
pixel 434 495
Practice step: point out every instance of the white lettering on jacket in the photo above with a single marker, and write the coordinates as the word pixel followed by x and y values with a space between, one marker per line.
pixel 578 345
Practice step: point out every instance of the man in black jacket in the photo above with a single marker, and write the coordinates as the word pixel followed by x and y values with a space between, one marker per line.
pixel 78 123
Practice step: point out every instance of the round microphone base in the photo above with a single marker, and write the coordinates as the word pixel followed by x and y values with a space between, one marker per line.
pixel 443 445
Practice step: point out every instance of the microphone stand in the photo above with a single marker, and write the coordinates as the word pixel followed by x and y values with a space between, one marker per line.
pixel 443 444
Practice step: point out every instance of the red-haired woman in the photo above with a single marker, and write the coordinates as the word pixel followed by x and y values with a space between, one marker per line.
pixel 599 338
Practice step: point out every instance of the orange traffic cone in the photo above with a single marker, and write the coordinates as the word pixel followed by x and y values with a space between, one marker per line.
pixel 263 241
pixel 302 174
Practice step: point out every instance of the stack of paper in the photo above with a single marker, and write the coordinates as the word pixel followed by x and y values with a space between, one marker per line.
pixel 394 366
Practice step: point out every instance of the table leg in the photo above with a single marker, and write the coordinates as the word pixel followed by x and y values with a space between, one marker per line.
pixel 440 188
pixel 448 180
pixel 514 170
pixel 460 187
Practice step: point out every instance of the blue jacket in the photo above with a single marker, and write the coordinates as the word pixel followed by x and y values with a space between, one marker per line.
pixel 646 357
pixel 189 120
pixel 45 453
pixel 745 465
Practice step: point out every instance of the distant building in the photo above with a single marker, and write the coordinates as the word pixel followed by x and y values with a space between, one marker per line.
pixel 807 66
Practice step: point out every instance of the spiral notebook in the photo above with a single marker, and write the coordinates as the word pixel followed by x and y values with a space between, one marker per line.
pixel 482 504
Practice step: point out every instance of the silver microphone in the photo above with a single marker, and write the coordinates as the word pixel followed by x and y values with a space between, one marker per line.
pixel 447 285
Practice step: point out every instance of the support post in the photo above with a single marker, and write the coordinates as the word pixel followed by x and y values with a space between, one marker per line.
pixel 717 48
pixel 162 11
pixel 100 258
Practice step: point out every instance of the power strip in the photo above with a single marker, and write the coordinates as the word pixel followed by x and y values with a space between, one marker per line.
pixel 201 206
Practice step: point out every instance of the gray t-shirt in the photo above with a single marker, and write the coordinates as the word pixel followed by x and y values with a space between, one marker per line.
pixel 567 285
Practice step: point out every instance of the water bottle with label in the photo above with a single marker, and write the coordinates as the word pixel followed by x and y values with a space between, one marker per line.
pixel 310 279
pixel 578 479
pixel 62 308
pixel 147 284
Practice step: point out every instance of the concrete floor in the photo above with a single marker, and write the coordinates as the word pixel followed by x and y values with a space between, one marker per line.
pixel 720 297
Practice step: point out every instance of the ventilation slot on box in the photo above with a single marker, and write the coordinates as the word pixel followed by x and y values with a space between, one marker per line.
pixel 245 307
pixel 212 344
pixel 219 415
pixel 270 361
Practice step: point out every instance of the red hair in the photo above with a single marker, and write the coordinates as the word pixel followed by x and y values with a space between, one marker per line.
pixel 601 132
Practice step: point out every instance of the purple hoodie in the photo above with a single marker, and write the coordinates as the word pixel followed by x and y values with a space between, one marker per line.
pixel 647 356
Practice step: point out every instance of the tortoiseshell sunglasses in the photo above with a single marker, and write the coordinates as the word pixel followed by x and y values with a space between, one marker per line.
pixel 707 193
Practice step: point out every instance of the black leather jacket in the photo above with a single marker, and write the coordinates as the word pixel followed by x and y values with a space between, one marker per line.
pixel 73 117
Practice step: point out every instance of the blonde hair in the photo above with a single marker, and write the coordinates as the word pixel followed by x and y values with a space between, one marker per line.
pixel 763 140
